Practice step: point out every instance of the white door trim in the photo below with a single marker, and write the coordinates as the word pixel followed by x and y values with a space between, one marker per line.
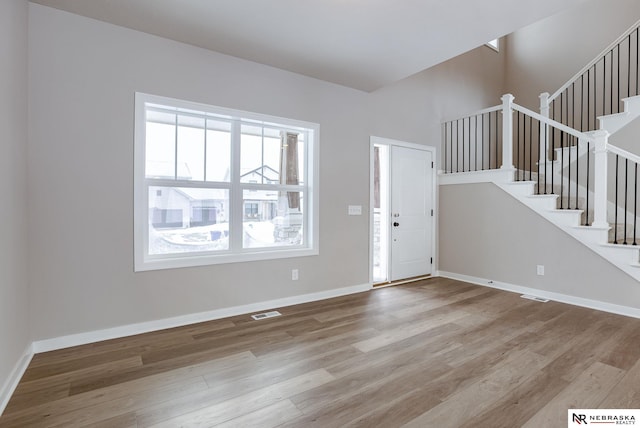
pixel 373 140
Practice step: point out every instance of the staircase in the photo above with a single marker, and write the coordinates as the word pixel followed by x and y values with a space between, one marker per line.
pixel 558 162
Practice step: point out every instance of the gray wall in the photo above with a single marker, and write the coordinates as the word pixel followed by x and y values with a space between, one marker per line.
pixel 413 109
pixel 496 237
pixel 82 79
pixel 83 75
pixel 545 55
pixel 14 320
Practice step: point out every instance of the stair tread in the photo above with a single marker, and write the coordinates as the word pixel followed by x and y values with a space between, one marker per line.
pixel 626 247
pixel 550 195
pixel 568 211
pixel 615 115
pixel 522 182
pixel 582 226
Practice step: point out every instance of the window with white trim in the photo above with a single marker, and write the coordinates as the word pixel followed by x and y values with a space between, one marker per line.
pixel 215 185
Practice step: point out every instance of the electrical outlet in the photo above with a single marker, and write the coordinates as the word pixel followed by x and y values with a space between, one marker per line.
pixel 294 274
pixel 540 270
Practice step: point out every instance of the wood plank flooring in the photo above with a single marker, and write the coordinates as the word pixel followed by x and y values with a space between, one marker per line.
pixel 435 353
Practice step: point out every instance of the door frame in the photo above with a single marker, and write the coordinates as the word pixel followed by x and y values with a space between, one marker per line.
pixel 373 141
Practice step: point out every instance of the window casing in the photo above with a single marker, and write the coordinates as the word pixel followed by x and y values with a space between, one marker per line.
pixel 215 185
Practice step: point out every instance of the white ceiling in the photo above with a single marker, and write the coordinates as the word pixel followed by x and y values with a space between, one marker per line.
pixel 362 44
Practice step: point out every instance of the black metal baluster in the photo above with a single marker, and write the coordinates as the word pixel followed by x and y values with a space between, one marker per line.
pixel 451 148
pixel 629 68
pixel 445 147
pixel 570 145
pixel 604 86
pixel 551 155
pixel 517 144
pixel 626 193
pixel 489 121
pixel 476 141
pixel 458 145
pixel 524 147
pixel 586 211
pixel 595 97
pixel 615 223
pixel 618 84
pixel 539 160
pixel 482 133
pixel 578 140
pixel 522 142
pixel 611 87
pixel 573 105
pixel 561 169
pixel 530 146
pixel 463 145
pixel 589 97
pixel 548 135
pixel 635 203
pixel 469 143
pixel 497 141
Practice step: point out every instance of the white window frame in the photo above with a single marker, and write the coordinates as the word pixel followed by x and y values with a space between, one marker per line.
pixel 143 261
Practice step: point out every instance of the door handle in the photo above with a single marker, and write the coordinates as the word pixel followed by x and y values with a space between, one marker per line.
pixel 396 224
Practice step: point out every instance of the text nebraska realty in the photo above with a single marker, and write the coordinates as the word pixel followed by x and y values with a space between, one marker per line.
pixel 612 419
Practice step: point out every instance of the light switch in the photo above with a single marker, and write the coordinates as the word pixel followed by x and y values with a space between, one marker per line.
pixel 355 209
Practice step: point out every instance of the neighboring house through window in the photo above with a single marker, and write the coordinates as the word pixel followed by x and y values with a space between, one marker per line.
pixel 215 185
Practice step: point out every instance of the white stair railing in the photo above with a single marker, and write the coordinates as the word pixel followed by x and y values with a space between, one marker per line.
pixel 599 88
pixel 530 144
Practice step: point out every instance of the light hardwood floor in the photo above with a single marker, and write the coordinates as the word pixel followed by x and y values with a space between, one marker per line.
pixel 436 353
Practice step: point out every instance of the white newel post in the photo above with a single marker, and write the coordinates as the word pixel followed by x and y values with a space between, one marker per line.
pixel 507 132
pixel 544 139
pixel 600 179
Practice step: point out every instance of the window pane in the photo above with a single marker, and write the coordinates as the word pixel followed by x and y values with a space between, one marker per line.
pixel 272 218
pixel 271 155
pixel 183 220
pixel 251 156
pixel 218 151
pixel 160 145
pixel 190 148
pixel 301 156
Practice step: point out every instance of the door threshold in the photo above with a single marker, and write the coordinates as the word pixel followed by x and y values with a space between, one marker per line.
pixel 400 281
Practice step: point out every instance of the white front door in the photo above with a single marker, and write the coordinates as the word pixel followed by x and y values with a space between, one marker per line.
pixel 411 212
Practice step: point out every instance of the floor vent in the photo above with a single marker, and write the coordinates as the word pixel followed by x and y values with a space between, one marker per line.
pixel 536 298
pixel 266 315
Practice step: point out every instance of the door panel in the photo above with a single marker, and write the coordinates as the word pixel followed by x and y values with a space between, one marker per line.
pixel 411 220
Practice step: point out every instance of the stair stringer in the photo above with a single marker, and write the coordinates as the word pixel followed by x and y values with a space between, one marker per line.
pixel 624 257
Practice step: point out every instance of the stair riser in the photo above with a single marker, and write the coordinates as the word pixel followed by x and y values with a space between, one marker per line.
pixel 542 203
pixel 566 218
pixel 594 236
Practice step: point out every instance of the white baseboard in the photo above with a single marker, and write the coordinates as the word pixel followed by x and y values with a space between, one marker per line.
pixel 563 298
pixel 145 327
pixel 14 378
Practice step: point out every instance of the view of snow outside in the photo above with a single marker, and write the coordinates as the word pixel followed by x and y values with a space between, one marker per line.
pixel 196 219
